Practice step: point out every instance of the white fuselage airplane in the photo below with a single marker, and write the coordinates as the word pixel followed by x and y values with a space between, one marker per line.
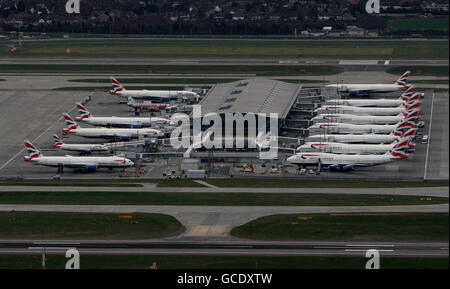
pixel 158 95
pixel 362 119
pixel 85 163
pixel 358 89
pixel 380 102
pixel 82 148
pixel 344 148
pixel 133 122
pixel 356 110
pixel 123 134
pixel 360 138
pixel 348 128
pixel 343 161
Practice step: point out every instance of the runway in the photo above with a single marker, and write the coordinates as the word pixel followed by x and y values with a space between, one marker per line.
pixel 356 65
pixel 231 248
pixel 149 187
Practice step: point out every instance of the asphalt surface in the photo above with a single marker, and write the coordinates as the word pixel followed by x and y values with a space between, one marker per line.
pixel 241 247
pixel 414 191
pixel 358 65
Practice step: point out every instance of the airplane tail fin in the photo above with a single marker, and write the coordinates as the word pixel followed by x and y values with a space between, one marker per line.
pixel 403 79
pixel 412 104
pixel 71 124
pixel 404 126
pixel 397 154
pixel 410 133
pixel 412 113
pixel 84 113
pixel 407 94
pixel 32 151
pixel 116 86
pixel 57 141
pixel 403 143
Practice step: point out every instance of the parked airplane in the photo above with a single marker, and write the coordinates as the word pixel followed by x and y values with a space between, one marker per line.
pixel 363 119
pixel 124 134
pixel 345 162
pixel 148 106
pixel 134 122
pixel 84 163
pixel 358 89
pixel 82 148
pixel 407 96
pixel 357 110
pixel 348 128
pixel 158 95
pixel 344 148
pixel 361 138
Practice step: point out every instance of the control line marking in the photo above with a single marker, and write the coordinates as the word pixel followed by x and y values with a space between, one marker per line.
pixel 429 138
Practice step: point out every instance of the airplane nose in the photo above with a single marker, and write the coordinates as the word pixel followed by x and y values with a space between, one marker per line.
pixel 291 158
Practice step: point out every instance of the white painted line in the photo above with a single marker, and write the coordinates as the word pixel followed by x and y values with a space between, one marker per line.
pixel 50 248
pixel 369 245
pixel 55 243
pixel 429 138
pixel 362 250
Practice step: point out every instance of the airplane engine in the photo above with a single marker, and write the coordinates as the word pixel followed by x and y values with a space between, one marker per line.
pixel 333 168
pixel 125 138
pixel 91 168
pixel 347 168
pixel 353 93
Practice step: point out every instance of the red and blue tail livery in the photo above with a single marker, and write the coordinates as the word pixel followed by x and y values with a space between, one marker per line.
pixel 32 151
pixel 116 86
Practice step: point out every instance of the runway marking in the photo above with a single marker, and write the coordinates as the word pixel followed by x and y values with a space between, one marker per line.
pixel 362 250
pixel 429 138
pixel 21 151
pixel 55 243
pixel 369 245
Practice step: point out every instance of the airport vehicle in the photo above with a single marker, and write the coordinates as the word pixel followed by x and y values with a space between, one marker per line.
pixel 123 134
pixel 364 89
pixel 407 96
pixel 114 121
pixel 157 95
pixel 361 138
pixel 345 162
pixel 366 119
pixel 79 162
pixel 147 106
pixel 425 139
pixel 345 148
pixel 348 128
pixel 82 148
pixel 357 110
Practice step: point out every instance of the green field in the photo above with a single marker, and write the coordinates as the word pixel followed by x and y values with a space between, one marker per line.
pixel 257 70
pixel 419 70
pixel 347 227
pixel 420 24
pixel 212 199
pixel 185 80
pixel 58 261
pixel 304 183
pixel 430 81
pixel 237 49
pixel 45 225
